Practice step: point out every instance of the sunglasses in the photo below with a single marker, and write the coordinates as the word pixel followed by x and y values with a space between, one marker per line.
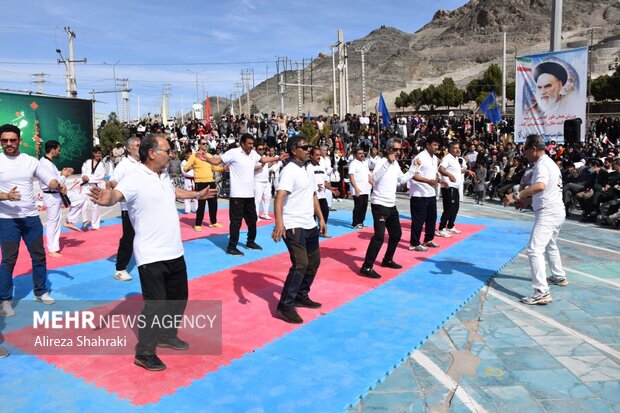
pixel 203 143
pixel 304 147
pixel 396 149
pixel 9 140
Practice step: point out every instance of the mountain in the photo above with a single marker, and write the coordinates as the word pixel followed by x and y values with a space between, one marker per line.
pixel 460 44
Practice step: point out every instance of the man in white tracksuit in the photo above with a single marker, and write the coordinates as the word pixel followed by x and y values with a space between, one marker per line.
pixel 545 195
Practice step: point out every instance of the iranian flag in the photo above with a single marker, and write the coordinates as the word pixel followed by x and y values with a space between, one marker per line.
pixel 524 64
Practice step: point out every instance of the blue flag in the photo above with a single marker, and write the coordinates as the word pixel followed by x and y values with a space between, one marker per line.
pixel 385 114
pixel 491 109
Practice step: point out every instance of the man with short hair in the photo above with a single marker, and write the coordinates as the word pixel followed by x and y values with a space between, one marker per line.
pixel 241 162
pixel 361 184
pixel 295 207
pixel 323 186
pixel 158 248
pixel 52 198
pixel 125 244
pixel 93 174
pixel 19 217
pixel 545 196
pixel 262 190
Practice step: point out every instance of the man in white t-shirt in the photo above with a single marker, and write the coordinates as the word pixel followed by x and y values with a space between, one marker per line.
pixel 423 197
pixel 151 205
pixel 125 244
pixel 361 184
pixel 241 204
pixel 452 180
pixel 545 196
pixel 52 199
pixel 295 207
pixel 323 186
pixel 262 189
pixel 19 217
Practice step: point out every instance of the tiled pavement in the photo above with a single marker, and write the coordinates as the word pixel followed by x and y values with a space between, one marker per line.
pixel 497 355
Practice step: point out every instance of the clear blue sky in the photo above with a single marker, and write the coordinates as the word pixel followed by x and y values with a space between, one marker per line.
pixel 157 42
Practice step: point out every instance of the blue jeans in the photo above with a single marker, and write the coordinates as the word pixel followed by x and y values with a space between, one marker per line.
pixel 12 230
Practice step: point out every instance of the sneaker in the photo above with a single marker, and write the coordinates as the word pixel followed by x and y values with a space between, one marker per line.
pixel 150 362
pixel 306 302
pixel 369 272
pixel 122 275
pixel 359 226
pixel 289 315
pixel 265 216
pixel 216 225
pixel 443 233
pixel 561 281
pixel 6 309
pixel 3 352
pixel 174 343
pixel 454 231
pixel 45 299
pixel 258 219
pixel 253 246
pixel 325 236
pixel 431 244
pixel 419 248
pixel 391 264
pixel 333 209
pixel 537 297
pixel 198 228
pixel 233 251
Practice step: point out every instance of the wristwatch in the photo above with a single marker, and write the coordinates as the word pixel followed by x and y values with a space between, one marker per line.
pixel 198 195
pixel 516 196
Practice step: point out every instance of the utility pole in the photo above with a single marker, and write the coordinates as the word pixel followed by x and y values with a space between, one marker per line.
pixel 299 86
pixel 334 101
pixel 346 78
pixel 165 104
pixel 281 93
pixel 40 79
pixel 363 52
pixel 72 61
pixel 504 78
pixel 123 85
pixel 139 113
pixel 246 74
pixel 556 25
pixel 239 90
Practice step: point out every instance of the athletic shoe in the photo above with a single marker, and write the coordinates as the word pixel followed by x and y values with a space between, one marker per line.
pixel 306 302
pixel 289 315
pixel 454 231
pixel 561 281
pixel 150 362
pixel 3 352
pixel 265 216
pixel 6 309
pixel 325 236
pixel 253 246
pixel 198 228
pixel 46 298
pixel 233 251
pixel 419 248
pixel 391 264
pixel 216 225
pixel 359 226
pixel 369 272
pixel 431 244
pixel 537 297
pixel 258 219
pixel 122 275
pixel 443 233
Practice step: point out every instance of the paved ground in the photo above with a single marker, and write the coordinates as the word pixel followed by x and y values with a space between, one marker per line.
pixel 497 355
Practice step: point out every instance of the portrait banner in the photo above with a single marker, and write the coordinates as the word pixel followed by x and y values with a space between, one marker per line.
pixel 550 89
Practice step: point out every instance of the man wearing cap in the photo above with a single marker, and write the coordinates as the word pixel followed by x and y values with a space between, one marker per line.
pixel 545 196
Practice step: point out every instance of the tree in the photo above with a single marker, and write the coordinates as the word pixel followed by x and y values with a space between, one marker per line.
pixel 510 90
pixel 402 100
pixel 491 82
pixel 448 94
pixel 415 98
pixel 111 133
pixel 430 97
pixel 600 88
pixel 310 132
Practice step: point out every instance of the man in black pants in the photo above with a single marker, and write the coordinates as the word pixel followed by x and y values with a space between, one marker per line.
pixel 241 205
pixel 322 184
pixel 151 204
pixel 452 173
pixel 361 184
pixel 125 245
pixel 423 201
pixel 386 177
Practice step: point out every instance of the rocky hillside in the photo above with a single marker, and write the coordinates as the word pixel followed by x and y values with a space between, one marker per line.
pixel 460 44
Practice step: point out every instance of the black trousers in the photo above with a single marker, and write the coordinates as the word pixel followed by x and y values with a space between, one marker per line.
pixel 165 292
pixel 324 208
pixel 125 244
pixel 238 209
pixel 360 206
pixel 423 212
pixel 200 212
pixel 451 203
pixel 303 248
pixel 383 218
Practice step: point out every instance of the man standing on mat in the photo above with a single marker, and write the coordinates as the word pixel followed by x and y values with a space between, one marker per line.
pixel 125 244
pixel 295 207
pixel 386 177
pixel 151 205
pixel 361 184
pixel 241 204
pixel 545 196
pixel 93 174
pixel 323 187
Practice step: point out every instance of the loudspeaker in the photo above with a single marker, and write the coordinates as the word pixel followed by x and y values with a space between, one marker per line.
pixel 572 131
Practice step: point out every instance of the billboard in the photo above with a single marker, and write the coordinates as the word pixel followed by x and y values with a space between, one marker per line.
pixel 550 89
pixel 44 118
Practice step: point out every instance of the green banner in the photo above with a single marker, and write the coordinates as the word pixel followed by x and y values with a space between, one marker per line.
pixel 44 118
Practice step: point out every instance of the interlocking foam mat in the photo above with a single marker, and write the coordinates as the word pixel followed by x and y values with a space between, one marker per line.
pixel 363 330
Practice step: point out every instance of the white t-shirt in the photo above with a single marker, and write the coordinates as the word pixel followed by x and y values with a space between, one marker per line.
pixel 548 201
pixel 360 171
pixel 452 165
pixel 428 169
pixel 262 174
pixel 298 208
pixel 151 205
pixel 49 167
pixel 241 171
pixel 319 175
pixel 387 176
pixel 18 171
pixel 124 167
